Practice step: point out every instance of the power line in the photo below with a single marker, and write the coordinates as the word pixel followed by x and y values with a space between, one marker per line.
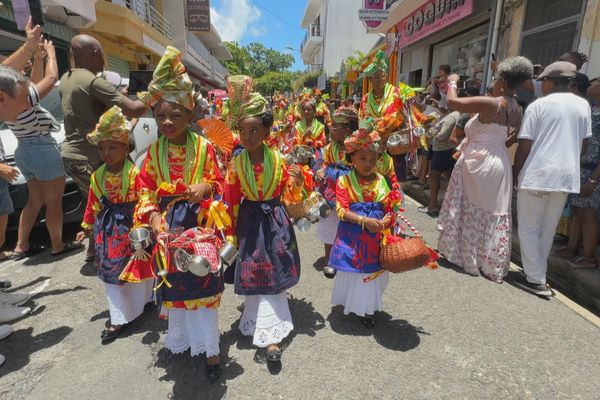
pixel 277 16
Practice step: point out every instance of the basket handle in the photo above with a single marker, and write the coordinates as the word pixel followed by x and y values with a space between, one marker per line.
pixel 408 224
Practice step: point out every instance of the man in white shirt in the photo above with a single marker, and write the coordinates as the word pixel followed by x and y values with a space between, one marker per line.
pixel 547 168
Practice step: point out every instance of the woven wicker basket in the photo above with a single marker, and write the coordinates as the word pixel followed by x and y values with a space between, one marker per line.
pixel 405 255
pixel 295 211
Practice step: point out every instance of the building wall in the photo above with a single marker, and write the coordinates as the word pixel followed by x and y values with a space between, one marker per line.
pixel 589 40
pixel 344 33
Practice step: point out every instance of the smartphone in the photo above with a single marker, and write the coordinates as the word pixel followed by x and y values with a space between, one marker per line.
pixel 35 9
pixel 139 81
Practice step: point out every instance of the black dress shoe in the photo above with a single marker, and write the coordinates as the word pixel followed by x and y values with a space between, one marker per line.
pixel 213 372
pixel 149 306
pixel 109 335
pixel 368 322
pixel 329 272
pixel 274 355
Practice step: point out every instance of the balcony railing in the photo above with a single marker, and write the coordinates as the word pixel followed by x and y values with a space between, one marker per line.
pixel 149 14
pixel 314 30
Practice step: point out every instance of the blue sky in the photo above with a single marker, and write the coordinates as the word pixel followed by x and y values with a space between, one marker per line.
pixel 274 23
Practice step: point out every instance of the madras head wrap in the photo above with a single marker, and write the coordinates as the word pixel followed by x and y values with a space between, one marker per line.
pixel 345 115
pixel 365 137
pixel 379 63
pixel 170 82
pixel 243 103
pixel 307 99
pixel 112 125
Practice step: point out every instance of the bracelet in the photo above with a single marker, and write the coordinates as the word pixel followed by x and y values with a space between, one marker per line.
pixel 453 85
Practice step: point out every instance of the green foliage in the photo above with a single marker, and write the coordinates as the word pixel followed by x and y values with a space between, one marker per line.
pixel 256 60
pixel 354 62
pixel 307 79
pixel 275 81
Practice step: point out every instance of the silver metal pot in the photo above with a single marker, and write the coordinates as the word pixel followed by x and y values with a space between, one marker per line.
pixel 324 208
pixel 228 254
pixel 199 266
pixel 418 131
pixel 303 224
pixel 140 238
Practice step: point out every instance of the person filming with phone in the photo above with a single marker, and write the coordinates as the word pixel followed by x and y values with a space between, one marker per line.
pixel 85 97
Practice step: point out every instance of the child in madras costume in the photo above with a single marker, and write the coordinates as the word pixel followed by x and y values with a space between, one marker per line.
pixel 365 205
pixel 345 121
pixel 268 263
pixel 109 215
pixel 178 177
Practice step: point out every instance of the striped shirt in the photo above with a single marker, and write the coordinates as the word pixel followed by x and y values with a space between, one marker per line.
pixel 36 121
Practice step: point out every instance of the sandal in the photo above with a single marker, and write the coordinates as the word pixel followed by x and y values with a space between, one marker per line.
pixel 584 263
pixel 425 210
pixel 89 258
pixel 564 252
pixel 32 251
pixel 68 247
pixel 6 255
pixel 110 334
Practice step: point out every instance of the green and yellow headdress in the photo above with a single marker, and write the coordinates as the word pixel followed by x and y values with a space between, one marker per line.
pixel 112 125
pixel 170 82
pixel 380 63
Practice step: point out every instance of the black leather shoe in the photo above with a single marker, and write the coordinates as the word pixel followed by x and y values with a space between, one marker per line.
pixel 149 306
pixel 368 322
pixel 274 355
pixel 109 335
pixel 213 372
pixel 329 272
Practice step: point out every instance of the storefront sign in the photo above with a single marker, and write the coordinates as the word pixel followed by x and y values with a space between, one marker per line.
pixel 373 15
pixel 373 6
pixel 198 15
pixel 431 17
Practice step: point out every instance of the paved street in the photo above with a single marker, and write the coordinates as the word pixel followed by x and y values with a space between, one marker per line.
pixel 444 335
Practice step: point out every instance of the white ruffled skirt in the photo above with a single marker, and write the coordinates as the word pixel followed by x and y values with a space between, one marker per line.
pixel 359 297
pixel 327 228
pixel 197 330
pixel 266 318
pixel 126 302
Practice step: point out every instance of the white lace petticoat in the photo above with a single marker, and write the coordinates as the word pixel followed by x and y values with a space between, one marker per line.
pixel 126 302
pixel 267 318
pixel 197 330
pixel 359 297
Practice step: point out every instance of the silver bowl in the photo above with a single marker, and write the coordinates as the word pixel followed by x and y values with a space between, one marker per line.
pixel 140 238
pixel 303 224
pixel 419 131
pixel 199 266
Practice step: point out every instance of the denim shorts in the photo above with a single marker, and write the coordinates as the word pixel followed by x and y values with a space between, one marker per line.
pixel 39 158
pixel 6 204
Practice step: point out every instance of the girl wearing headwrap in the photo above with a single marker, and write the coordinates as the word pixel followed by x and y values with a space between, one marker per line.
pixel 365 205
pixel 383 99
pixel 181 165
pixel 308 131
pixel 109 215
pixel 345 121
pixel 257 182
pixel 322 113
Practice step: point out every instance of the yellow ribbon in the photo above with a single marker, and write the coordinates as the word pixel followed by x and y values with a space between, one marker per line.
pixel 161 261
pixel 373 276
pixel 215 215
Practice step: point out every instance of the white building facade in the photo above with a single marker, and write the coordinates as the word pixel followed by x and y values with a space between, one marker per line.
pixel 334 33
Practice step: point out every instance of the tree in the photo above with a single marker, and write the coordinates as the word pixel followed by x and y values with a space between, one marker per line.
pixel 256 60
pixel 307 79
pixel 274 81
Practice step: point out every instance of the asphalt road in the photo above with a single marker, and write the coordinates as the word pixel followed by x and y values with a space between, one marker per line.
pixel 443 335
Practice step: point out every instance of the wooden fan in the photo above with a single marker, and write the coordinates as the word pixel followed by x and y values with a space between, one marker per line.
pixel 218 133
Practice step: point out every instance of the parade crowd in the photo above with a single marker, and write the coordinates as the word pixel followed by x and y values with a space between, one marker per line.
pixel 217 200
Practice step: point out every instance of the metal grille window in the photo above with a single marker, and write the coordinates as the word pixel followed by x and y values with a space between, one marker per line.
pixel 550 28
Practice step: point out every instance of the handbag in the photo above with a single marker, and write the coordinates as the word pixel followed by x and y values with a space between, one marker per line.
pixel 400 253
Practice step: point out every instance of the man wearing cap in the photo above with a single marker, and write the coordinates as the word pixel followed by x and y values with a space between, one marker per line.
pixel 547 168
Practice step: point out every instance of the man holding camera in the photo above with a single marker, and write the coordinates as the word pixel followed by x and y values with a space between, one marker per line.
pixel 85 97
